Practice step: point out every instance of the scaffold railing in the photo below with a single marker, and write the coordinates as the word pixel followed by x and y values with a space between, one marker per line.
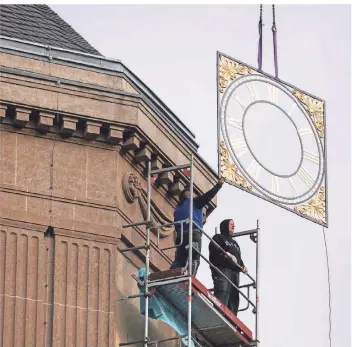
pixel 186 275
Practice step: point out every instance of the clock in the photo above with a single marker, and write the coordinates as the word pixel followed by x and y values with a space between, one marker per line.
pixel 271 139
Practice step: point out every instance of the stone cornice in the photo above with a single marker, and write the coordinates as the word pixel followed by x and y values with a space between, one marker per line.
pixel 119 98
pixel 132 143
pixel 55 55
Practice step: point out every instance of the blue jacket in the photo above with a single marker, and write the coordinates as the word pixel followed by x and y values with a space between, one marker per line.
pixel 182 209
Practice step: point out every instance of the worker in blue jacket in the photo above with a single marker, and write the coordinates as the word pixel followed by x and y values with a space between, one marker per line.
pixel 182 213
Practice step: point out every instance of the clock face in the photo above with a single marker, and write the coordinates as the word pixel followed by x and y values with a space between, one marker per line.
pixel 271 139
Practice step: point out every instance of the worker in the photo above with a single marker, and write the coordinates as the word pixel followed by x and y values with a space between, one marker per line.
pixel 229 263
pixel 182 213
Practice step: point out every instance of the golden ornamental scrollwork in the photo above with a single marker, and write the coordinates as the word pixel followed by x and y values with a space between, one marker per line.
pixel 229 170
pixel 315 208
pixel 314 108
pixel 228 70
pixel 133 191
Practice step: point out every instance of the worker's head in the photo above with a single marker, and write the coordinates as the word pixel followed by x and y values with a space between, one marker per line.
pixel 185 194
pixel 227 227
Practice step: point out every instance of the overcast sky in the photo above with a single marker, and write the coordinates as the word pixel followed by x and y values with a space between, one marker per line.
pixel 173 50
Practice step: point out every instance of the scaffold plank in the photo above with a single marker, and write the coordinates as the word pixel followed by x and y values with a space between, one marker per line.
pixel 210 317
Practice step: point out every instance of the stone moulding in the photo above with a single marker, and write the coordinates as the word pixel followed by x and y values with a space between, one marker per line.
pixel 131 142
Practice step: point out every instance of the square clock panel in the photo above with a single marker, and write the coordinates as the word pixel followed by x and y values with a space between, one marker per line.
pixel 272 139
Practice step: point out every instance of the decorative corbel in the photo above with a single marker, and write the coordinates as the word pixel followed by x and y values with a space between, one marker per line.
pixel 68 125
pixel 21 117
pixel 144 154
pixel 133 191
pixel 165 178
pixel 176 188
pixel 131 144
pixel 45 121
pixel 157 163
pixel 115 134
pixel 91 130
pixel 3 109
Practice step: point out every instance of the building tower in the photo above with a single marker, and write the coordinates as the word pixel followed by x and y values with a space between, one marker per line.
pixel 76 133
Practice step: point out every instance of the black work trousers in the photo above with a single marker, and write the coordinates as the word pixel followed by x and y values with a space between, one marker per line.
pixel 181 254
pixel 224 290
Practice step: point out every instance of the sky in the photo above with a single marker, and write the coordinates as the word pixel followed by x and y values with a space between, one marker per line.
pixel 173 50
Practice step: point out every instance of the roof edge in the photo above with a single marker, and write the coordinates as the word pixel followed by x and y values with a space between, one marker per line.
pixel 54 48
pixel 110 65
pixel 88 60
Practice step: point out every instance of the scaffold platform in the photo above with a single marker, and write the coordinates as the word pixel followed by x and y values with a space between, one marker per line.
pixel 212 320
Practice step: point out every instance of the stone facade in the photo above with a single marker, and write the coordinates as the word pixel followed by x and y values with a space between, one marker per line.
pixel 74 143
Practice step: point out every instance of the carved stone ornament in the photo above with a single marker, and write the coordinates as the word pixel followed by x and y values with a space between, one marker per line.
pixel 131 187
pixel 133 191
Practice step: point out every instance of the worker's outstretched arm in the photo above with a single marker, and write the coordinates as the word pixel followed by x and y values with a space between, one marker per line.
pixel 202 200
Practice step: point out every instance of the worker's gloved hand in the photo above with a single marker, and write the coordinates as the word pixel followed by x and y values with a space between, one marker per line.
pixel 221 180
pixel 244 269
pixel 232 257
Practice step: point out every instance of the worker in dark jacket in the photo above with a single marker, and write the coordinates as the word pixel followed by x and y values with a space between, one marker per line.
pixel 229 263
pixel 181 213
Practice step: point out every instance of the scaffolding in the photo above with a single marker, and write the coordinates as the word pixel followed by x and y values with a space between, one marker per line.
pixel 169 283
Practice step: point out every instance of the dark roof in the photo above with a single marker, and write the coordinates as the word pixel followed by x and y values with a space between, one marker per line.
pixel 40 24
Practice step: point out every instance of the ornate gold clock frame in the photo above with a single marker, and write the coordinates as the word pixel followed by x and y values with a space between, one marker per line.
pixel 305 192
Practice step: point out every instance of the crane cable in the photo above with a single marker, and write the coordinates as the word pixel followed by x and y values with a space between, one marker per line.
pixel 274 30
pixel 260 43
pixel 329 284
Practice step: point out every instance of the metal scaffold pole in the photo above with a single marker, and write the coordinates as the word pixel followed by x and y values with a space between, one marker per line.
pixel 152 282
pixel 147 258
pixel 190 253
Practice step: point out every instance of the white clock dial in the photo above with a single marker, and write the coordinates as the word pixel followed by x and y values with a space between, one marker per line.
pixel 290 170
pixel 272 139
